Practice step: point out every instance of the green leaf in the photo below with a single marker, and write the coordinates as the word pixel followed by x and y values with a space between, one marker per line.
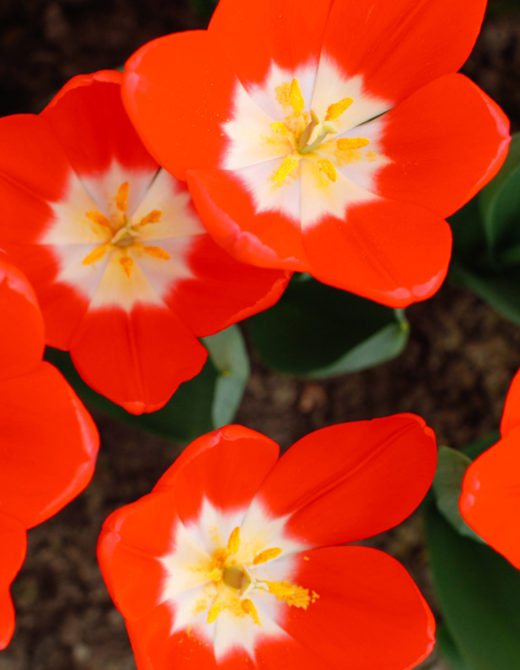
pixel 320 331
pixel 479 594
pixel 451 466
pixel 500 201
pixel 200 405
pixel 479 446
pixel 449 650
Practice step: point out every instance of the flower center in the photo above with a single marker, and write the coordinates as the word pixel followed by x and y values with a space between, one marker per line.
pixel 306 135
pixel 230 571
pixel 119 233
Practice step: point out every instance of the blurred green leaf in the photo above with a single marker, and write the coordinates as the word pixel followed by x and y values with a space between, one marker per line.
pixel 449 650
pixel 499 201
pixel 478 592
pixel 206 402
pixel 451 466
pixel 317 331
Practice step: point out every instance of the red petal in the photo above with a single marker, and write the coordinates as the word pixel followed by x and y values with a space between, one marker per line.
pixel 156 649
pixel 511 415
pixel 401 45
pixel 347 482
pixel 49 445
pixel 177 109
pixel 227 466
pixel 14 544
pixel 446 142
pixel 223 291
pixel 129 544
pixel 42 173
pixel 21 335
pixel 61 305
pixel 136 359
pixel 255 34
pixel 268 239
pixel 490 499
pixel 88 119
pixel 369 613
pixel 393 253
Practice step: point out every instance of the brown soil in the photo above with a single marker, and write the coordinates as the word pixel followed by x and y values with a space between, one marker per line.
pixel 454 372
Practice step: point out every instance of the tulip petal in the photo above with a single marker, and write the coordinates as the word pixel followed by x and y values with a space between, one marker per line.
pixel 511 414
pixel 21 335
pixel 161 97
pixel 49 445
pixel 402 45
pixel 90 107
pixel 349 481
pixel 490 498
pixel 14 545
pixel 430 140
pixel 138 358
pixel 369 613
pixel 390 252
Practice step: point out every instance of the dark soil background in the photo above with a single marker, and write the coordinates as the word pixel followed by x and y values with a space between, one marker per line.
pixel 454 372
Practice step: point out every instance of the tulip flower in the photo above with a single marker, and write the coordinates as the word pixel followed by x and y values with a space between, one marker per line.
pixel 126 276
pixel 233 560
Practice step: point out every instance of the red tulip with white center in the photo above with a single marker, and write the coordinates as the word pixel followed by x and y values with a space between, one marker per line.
pixel 490 500
pixel 48 442
pixel 326 136
pixel 232 560
pixel 126 275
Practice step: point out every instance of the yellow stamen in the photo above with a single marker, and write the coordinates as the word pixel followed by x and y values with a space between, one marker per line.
pixel 215 575
pixel 214 611
pixel 348 143
pixel 267 555
pixel 234 541
pixel 127 264
pixel 157 252
pixel 220 556
pixel 95 255
pixel 122 197
pixel 296 97
pixel 249 608
pixel 280 128
pixel 335 110
pixel 327 167
pixel 292 594
pixel 153 217
pixel 99 218
pixel 288 165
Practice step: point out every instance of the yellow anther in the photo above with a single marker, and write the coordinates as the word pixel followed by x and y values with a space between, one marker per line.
pixel 348 143
pixel 153 217
pixel 214 611
pixel 234 541
pixel 280 128
pixel 249 608
pixel 296 97
pixel 95 255
pixel 127 264
pixel 335 110
pixel 157 252
pixel 267 555
pixel 220 556
pixel 215 575
pixel 327 167
pixel 99 218
pixel 288 165
pixel 292 594
pixel 122 197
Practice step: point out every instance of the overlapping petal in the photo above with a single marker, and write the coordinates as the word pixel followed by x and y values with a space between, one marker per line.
pixel 356 606
pixel 14 545
pixel 126 275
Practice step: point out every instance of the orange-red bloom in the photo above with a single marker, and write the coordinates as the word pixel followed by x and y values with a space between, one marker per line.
pixel 490 500
pixel 48 442
pixel 126 275
pixel 325 136
pixel 231 560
